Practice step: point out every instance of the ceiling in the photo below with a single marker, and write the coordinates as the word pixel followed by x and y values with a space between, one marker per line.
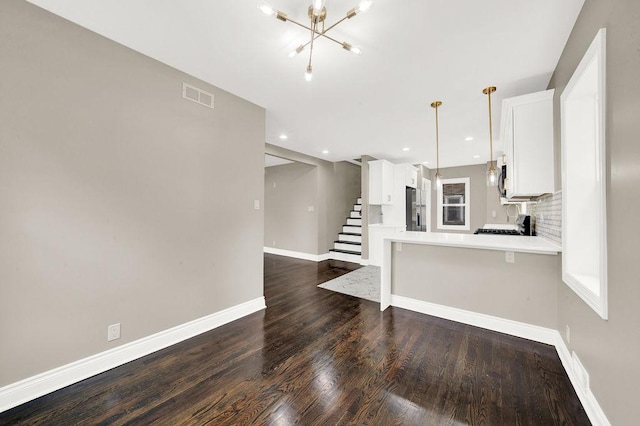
pixel 415 52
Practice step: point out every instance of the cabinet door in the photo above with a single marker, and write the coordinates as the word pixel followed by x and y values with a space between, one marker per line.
pixel 411 176
pixel 533 149
pixel 527 135
pixel 380 182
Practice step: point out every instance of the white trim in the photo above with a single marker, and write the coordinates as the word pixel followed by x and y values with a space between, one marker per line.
pixel 519 329
pixel 514 328
pixel 298 254
pixel 595 54
pixel 587 398
pixel 33 387
pixel 364 262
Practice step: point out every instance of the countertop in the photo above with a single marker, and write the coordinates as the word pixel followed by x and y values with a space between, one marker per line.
pixel 513 243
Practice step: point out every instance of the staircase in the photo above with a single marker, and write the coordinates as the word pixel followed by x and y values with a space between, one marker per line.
pixel 348 247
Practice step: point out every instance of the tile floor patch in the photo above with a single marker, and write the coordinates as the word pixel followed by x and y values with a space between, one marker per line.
pixel 363 283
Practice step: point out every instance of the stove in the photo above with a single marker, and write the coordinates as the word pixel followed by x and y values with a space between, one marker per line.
pixel 497 231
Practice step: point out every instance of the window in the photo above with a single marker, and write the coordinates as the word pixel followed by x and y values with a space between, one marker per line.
pixel 584 178
pixel 454 204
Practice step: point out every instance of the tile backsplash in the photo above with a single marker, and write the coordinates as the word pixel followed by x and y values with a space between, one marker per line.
pixel 547 212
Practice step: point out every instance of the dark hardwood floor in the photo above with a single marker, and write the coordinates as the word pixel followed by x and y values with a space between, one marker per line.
pixel 316 357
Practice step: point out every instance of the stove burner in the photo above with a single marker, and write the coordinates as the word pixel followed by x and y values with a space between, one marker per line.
pixel 497 231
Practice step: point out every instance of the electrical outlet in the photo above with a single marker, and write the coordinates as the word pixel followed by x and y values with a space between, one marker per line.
pixel 567 333
pixel 274 243
pixel 113 332
pixel 510 257
pixel 398 246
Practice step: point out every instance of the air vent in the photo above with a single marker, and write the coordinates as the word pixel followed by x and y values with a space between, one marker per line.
pixel 197 95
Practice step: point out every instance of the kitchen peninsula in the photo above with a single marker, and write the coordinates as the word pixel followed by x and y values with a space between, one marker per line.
pixel 477 279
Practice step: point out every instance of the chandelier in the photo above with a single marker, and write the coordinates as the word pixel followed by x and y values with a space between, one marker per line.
pixel 317 13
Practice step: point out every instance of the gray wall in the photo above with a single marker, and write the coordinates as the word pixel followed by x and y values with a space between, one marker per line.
pixel 121 201
pixel 484 199
pixel 342 191
pixel 370 214
pixel 289 190
pixel 610 350
pixel 479 281
pixel 337 187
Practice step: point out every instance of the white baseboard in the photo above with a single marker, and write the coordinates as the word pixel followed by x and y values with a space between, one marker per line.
pixel 298 254
pixel 587 398
pixel 33 387
pixel 518 329
pixel 364 262
pixel 514 328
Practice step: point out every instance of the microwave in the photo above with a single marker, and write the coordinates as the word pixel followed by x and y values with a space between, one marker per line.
pixel 502 180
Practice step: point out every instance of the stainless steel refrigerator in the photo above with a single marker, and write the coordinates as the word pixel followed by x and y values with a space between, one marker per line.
pixel 416 209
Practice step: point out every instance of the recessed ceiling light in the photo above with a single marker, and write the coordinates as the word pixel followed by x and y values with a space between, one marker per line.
pixel 476 156
pixel 425 162
pixel 325 152
pixel 468 138
pixel 283 136
pixel 406 148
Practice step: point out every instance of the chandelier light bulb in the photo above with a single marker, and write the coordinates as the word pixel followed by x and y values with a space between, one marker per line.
pixel 266 8
pixel 308 76
pixel 318 5
pixel 438 182
pixel 295 52
pixel 364 5
pixel 353 49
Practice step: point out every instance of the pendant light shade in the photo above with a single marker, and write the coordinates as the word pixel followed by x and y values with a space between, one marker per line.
pixel 492 173
pixel 438 179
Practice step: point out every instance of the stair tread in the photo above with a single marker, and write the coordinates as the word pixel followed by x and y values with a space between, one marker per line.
pixel 354 243
pixel 357 253
pixel 350 233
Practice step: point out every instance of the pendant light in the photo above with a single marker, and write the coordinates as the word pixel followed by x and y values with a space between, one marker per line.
pixel 438 180
pixel 492 174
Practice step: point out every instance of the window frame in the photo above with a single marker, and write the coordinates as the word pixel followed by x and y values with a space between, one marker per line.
pixel 466 205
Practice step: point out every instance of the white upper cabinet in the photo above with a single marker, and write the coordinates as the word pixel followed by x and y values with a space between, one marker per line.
pixel 527 136
pixel 410 175
pixel 381 179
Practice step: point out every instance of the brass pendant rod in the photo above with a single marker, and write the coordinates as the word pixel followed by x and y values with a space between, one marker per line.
pixel 487 91
pixel 435 105
pixel 437 142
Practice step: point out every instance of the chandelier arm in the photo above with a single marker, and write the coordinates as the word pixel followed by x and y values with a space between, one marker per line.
pixel 302 25
pixel 313 32
pixel 334 25
pixel 330 38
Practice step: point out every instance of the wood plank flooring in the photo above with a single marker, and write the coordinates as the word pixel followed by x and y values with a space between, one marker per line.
pixel 316 357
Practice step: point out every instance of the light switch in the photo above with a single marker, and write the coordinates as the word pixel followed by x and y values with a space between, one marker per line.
pixel 310 208
pixel 256 204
